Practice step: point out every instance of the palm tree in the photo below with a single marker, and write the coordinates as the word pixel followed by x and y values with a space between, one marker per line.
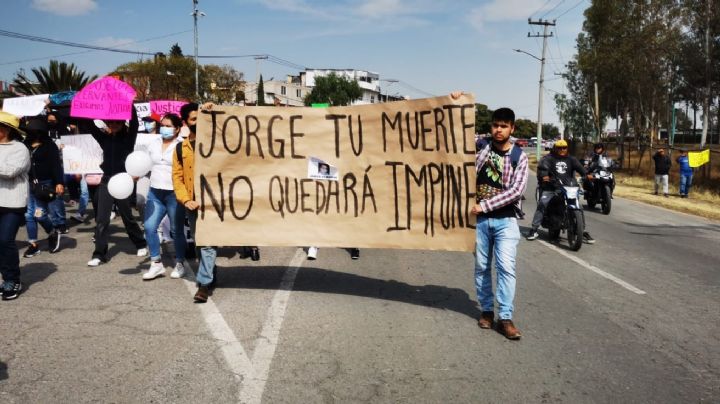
pixel 57 77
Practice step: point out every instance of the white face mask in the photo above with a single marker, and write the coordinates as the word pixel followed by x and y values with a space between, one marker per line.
pixel 167 133
pixel 150 127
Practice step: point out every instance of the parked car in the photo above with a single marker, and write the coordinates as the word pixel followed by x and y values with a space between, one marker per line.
pixel 522 142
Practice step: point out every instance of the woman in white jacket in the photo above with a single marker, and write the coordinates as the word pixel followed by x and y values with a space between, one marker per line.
pixel 14 188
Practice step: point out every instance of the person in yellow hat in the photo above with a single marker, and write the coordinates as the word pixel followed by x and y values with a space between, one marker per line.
pixel 14 187
pixel 558 166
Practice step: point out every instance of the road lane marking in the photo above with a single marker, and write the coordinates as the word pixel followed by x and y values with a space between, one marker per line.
pixel 593 268
pixel 266 343
pixel 251 372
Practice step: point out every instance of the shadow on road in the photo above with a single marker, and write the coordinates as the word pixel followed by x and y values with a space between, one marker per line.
pixel 319 280
pixel 3 371
pixel 35 272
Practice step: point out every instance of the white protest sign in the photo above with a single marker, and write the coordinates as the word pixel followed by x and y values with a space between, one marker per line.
pixel 25 106
pixel 81 154
pixel 143 110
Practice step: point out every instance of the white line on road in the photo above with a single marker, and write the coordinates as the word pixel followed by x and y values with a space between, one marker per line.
pixel 593 268
pixel 265 345
pixel 252 372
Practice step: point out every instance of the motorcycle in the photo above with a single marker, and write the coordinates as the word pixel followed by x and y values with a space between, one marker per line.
pixel 599 190
pixel 564 214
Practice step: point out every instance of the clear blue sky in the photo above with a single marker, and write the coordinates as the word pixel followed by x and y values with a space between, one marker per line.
pixel 434 45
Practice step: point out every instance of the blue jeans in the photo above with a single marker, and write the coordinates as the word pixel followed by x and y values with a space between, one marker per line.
pixel 496 238
pixel 160 202
pixel 206 269
pixel 685 183
pixel 57 212
pixel 9 255
pixel 84 196
pixel 43 218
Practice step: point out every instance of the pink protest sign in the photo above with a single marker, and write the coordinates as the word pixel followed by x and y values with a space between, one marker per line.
pixel 104 98
pixel 166 107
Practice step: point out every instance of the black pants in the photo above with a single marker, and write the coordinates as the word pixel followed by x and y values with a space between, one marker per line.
pixel 103 203
pixel 10 222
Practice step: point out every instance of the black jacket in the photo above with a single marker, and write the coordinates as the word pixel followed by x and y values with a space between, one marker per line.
pixel 45 161
pixel 560 169
pixel 662 164
pixel 115 147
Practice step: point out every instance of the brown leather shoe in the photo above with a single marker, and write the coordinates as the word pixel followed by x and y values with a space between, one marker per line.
pixel 508 329
pixel 486 319
pixel 201 296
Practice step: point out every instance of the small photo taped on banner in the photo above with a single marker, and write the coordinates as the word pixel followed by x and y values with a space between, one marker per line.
pixel 320 170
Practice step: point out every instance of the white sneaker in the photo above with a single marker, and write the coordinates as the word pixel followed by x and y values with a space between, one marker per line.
pixel 312 253
pixel 179 271
pixel 142 252
pixel 94 262
pixel 156 269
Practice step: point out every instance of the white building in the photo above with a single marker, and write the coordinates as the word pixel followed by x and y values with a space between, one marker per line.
pixel 292 91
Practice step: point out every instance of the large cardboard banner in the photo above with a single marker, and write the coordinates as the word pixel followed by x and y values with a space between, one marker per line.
pixel 392 175
pixel 81 154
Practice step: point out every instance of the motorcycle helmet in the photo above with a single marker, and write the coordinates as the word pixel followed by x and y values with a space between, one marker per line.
pixel 561 147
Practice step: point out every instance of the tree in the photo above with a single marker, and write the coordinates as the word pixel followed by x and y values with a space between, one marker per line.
pixel 57 77
pixel 483 118
pixel 334 90
pixel 164 77
pixel 260 93
pixel 525 128
pixel 176 51
pixel 222 83
pixel 574 110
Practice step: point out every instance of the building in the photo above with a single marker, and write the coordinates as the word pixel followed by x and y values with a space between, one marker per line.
pixel 293 90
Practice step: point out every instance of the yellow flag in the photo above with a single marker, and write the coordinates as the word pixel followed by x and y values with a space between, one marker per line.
pixel 697 159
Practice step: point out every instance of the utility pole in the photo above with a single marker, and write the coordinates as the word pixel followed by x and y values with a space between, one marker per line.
pixel 706 97
pixel 546 24
pixel 195 15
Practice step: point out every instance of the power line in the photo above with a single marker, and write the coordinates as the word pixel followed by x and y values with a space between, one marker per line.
pixel 570 9
pixel 34 38
pixel 93 50
pixel 553 9
pixel 541 7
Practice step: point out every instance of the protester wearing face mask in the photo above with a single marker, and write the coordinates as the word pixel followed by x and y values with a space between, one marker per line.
pixel 161 198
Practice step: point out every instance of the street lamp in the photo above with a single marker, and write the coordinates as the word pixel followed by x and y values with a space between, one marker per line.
pixel 540 99
pixel 195 15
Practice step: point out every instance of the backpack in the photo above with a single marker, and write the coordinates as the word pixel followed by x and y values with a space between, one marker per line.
pixel 178 153
pixel 515 152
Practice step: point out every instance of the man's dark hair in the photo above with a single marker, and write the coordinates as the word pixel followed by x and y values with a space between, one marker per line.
pixel 186 109
pixel 504 115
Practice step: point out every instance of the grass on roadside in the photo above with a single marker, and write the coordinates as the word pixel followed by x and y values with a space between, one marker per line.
pixel 700 203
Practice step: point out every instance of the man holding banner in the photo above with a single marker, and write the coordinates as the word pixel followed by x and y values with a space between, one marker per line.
pixel 501 183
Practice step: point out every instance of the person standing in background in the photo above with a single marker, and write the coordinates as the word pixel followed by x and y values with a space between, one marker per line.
pixel 686 173
pixel 662 170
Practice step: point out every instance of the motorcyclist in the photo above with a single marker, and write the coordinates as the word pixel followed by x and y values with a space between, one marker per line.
pixel 557 166
pixel 592 164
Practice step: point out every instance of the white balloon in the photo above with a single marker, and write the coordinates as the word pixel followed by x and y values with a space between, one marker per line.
pixel 121 185
pixel 138 163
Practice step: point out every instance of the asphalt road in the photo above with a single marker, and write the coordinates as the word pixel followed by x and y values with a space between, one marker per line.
pixel 634 318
